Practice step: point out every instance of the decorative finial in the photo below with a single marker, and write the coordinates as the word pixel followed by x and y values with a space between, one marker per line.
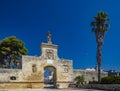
pixel 49 38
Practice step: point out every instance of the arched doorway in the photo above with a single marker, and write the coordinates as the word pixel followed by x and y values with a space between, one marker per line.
pixel 49 77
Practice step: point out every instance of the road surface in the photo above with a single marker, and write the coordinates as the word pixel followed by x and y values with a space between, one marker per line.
pixel 70 89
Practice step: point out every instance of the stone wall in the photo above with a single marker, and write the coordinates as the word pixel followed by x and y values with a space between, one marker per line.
pixel 29 73
pixel 103 87
pixel 18 85
pixel 89 75
pixel 6 74
pixel 65 70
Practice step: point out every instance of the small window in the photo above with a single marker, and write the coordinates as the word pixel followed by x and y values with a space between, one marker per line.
pixel 12 78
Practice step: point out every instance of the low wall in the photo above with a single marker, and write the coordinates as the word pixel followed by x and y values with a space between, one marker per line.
pixel 63 84
pixel 17 85
pixel 107 87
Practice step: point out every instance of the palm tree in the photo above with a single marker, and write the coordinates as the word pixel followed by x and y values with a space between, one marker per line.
pixel 100 27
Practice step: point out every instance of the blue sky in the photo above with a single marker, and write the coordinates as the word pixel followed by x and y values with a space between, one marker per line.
pixel 69 24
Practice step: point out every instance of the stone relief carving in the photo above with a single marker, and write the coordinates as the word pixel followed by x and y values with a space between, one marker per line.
pixel 34 68
pixel 49 54
pixel 66 69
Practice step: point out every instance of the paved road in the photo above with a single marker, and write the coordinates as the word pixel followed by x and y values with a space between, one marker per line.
pixel 49 90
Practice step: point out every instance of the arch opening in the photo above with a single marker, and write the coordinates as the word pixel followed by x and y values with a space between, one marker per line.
pixel 49 77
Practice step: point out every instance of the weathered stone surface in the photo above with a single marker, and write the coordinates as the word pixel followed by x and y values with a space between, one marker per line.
pixel 89 75
pixel 32 73
pixel 63 84
pixel 20 85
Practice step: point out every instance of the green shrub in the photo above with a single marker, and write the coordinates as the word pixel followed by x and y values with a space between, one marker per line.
pixel 111 80
pixel 80 79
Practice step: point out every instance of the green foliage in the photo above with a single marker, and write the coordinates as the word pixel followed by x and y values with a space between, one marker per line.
pixel 111 80
pixel 100 23
pixel 80 79
pixel 11 49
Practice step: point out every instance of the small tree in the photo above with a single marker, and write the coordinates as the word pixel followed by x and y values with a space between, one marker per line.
pixel 80 79
pixel 11 49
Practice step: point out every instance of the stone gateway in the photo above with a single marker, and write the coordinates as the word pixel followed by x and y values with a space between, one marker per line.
pixel 32 74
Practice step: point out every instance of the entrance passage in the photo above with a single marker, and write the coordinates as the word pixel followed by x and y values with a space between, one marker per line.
pixel 49 77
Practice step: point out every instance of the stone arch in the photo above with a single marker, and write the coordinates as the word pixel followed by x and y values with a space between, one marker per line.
pixel 53 74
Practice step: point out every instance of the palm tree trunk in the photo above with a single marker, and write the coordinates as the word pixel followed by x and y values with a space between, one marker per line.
pixel 99 38
pixel 99 59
